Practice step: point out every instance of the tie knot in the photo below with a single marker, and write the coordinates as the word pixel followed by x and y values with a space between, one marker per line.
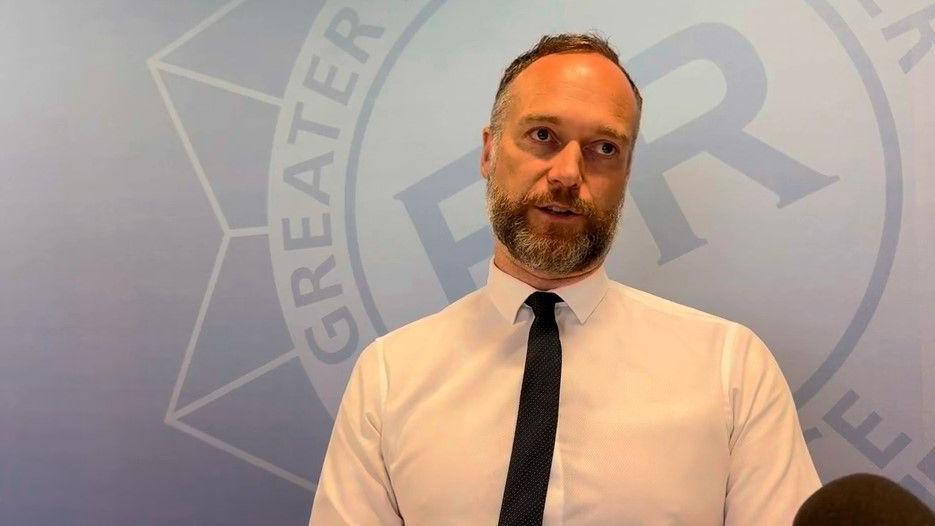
pixel 543 304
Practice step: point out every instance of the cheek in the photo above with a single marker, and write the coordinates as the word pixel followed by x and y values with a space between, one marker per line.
pixel 519 177
pixel 603 192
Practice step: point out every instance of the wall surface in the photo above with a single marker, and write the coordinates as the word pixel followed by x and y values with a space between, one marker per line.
pixel 175 177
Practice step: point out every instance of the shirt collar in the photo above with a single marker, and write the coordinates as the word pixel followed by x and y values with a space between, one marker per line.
pixel 508 293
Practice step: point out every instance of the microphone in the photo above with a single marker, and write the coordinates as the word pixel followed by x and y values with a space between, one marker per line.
pixel 863 499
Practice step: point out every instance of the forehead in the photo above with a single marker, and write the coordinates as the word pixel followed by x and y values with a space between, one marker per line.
pixel 576 86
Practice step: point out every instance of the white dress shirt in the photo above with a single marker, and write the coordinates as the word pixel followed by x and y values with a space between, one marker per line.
pixel 667 415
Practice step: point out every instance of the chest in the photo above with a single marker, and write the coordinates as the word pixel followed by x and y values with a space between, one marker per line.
pixel 636 438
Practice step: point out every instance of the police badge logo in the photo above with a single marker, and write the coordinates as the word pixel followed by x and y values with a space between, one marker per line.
pixel 742 194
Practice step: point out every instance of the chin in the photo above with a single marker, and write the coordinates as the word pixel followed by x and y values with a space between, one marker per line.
pixel 560 231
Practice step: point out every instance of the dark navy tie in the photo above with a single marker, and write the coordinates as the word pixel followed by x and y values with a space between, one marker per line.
pixel 527 479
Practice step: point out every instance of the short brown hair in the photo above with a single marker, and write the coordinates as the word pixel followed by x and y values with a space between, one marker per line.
pixel 551 45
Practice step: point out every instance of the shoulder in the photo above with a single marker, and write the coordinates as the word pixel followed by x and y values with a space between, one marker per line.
pixel 651 303
pixel 652 308
pixel 431 333
pixel 463 311
pixel 695 327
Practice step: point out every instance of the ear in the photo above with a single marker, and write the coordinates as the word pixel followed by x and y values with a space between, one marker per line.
pixel 486 152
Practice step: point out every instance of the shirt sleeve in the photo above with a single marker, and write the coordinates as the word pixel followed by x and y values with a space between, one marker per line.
pixel 354 487
pixel 771 472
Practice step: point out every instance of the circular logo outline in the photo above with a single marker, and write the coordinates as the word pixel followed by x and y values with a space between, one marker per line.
pixel 893 196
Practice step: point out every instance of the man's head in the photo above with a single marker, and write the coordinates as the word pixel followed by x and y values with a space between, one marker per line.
pixel 557 153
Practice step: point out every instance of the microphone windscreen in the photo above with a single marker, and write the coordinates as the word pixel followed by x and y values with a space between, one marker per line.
pixel 863 500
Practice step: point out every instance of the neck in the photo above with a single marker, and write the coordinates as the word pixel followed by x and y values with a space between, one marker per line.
pixel 538 280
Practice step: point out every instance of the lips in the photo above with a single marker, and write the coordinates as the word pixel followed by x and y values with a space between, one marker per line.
pixel 558 210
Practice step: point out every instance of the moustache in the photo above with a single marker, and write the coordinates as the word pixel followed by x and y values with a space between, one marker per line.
pixel 573 202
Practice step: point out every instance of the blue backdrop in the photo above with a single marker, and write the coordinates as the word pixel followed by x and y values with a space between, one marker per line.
pixel 209 208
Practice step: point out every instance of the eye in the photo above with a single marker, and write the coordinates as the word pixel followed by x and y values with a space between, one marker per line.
pixel 606 148
pixel 542 134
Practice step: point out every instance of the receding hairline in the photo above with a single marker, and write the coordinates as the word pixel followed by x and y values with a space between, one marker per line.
pixel 557 44
pixel 634 91
pixel 507 98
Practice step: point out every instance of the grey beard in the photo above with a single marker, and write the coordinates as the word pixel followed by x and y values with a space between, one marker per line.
pixel 551 254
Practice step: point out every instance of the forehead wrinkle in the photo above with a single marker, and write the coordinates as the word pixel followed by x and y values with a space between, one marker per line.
pixel 540 117
pixel 537 86
pixel 577 79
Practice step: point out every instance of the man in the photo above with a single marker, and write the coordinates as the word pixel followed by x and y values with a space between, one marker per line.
pixel 592 403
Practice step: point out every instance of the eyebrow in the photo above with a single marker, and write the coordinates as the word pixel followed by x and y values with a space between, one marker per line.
pixel 554 119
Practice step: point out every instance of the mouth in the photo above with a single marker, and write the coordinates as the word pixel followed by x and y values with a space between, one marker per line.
pixel 558 211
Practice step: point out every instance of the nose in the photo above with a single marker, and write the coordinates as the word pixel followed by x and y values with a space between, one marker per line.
pixel 567 167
